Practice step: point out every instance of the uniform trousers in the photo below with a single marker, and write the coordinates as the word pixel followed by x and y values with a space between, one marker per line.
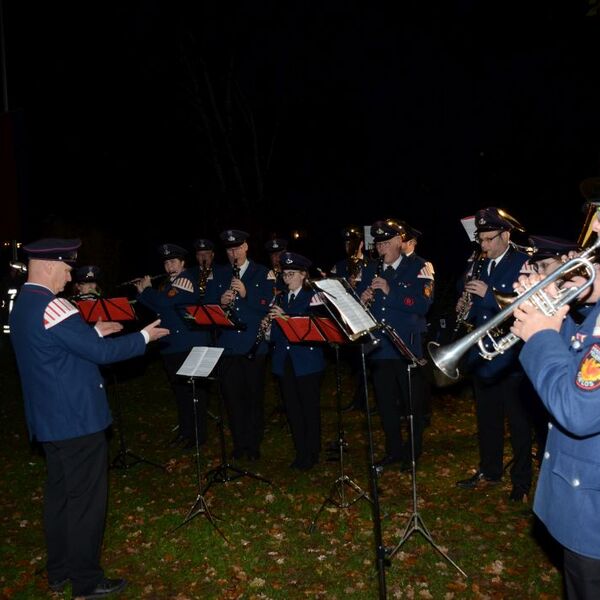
pixel 302 399
pixel 497 399
pixel 182 389
pixel 75 509
pixel 582 576
pixel 390 382
pixel 243 387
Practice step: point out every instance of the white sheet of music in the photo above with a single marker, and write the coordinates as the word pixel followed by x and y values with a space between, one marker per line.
pixel 353 314
pixel 200 361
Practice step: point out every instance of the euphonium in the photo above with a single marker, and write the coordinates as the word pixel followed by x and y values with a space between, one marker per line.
pixel 447 358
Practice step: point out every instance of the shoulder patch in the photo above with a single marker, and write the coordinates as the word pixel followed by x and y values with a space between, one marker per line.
pixel 428 289
pixel 57 311
pixel 184 284
pixel 427 271
pixel 588 374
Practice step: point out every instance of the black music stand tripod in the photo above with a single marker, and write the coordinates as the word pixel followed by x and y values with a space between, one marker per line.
pixel 415 521
pixel 337 492
pixel 199 507
pixel 119 310
pixel 226 472
pixel 125 458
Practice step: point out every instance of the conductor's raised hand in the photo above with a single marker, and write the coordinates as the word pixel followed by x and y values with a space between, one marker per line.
pixel 155 332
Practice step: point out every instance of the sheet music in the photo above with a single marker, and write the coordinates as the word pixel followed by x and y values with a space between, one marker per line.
pixel 470 226
pixel 200 361
pixel 352 313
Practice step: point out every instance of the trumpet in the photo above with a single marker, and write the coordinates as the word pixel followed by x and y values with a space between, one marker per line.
pixel 134 281
pixel 447 358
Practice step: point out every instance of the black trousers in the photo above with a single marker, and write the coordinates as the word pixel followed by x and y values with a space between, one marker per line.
pixel 75 509
pixel 496 400
pixel 302 401
pixel 184 398
pixel 243 387
pixel 390 382
pixel 582 576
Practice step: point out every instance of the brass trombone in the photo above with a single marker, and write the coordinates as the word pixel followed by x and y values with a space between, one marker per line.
pixel 447 358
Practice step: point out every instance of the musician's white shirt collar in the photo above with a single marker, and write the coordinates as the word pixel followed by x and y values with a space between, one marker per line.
pixel 394 265
pixel 295 292
pixel 497 260
pixel 244 267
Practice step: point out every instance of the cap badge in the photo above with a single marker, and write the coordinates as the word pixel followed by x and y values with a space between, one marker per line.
pixel 481 221
pixel 90 273
pixel 275 245
pixel 288 261
pixel 379 231
pixel 166 250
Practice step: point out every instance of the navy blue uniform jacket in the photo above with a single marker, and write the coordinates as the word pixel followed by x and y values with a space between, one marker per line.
pixel 248 311
pixel 58 355
pixel 565 370
pixel 168 304
pixel 405 307
pixel 306 359
pixel 502 277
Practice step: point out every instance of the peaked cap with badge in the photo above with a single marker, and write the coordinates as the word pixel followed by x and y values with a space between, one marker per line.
pixel 64 250
pixel 294 262
pixel 276 245
pixel 169 251
pixel 233 237
pixel 386 230
pixel 203 244
pixel 86 274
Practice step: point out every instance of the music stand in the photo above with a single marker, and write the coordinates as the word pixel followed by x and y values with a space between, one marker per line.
pixel 350 315
pixel 298 329
pixel 199 364
pixel 213 316
pixel 415 522
pixel 115 309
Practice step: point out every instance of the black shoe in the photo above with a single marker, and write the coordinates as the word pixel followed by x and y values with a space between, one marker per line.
pixel 518 494
pixel 105 588
pixel 478 479
pixel 58 585
pixel 388 459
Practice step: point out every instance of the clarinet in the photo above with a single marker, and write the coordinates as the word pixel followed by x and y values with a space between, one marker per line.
pixel 378 272
pixel 264 327
pixel 228 310
pixel 463 315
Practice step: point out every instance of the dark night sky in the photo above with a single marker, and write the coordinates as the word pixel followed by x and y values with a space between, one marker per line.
pixel 351 111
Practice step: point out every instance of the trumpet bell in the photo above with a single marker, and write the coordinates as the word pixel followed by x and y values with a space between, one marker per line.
pixel 446 361
pixel 504 299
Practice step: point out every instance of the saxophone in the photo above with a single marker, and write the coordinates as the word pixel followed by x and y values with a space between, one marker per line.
pixel 205 271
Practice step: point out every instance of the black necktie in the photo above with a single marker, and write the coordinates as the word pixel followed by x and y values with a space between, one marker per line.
pixel 388 272
pixel 292 298
pixel 492 266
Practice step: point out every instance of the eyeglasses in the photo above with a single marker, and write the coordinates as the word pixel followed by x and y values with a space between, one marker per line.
pixel 490 239
pixel 288 274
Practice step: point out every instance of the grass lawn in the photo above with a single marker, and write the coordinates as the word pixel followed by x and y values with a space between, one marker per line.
pixel 270 552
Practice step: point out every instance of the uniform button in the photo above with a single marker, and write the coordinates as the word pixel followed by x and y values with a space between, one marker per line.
pixel 101 385
pixel 383 320
pixel 546 455
pixel 550 425
pixel 576 482
pixel 484 317
pixel 383 308
pixel 287 347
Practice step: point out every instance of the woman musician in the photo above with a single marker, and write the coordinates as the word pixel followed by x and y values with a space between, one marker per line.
pixel 299 367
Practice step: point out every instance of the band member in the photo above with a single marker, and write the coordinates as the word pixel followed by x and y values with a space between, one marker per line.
pixel 275 248
pixel 351 267
pixel 245 292
pixel 204 273
pixel 498 383
pixel 562 360
pixel 168 302
pixel 299 367
pixel 67 412
pixel 399 291
pixel 549 254
pixel 85 283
